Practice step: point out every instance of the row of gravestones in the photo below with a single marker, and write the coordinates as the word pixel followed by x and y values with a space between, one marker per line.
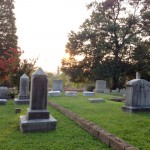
pixel 137 97
pixel 39 119
pixel 100 87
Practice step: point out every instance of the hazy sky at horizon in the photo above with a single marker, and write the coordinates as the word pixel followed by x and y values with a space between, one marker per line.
pixel 43 26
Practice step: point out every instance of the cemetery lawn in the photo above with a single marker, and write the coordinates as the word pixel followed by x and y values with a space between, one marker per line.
pixel 67 136
pixel 131 127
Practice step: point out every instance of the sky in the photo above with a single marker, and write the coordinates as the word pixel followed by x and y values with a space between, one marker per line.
pixel 43 27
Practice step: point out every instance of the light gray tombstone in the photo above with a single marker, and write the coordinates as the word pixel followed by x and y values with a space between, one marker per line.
pixel 88 93
pixel 24 96
pixel 57 85
pixel 137 96
pixel 4 92
pixel 138 76
pixel 96 100
pixel 100 86
pixel 54 93
pixel 38 117
pixel 71 93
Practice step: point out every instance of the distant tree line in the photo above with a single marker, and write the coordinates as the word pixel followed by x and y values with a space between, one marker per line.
pixel 112 44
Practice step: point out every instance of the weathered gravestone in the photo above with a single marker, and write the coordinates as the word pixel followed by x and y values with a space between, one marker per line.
pixel 88 93
pixel 54 93
pixel 137 96
pixel 96 100
pixel 71 93
pixel 4 92
pixel 57 85
pixel 100 86
pixel 38 117
pixel 24 96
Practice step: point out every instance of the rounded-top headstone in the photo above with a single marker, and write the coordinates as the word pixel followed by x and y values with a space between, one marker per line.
pixel 138 82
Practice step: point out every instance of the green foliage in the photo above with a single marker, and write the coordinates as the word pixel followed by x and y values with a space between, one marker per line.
pixel 141 57
pixel 9 57
pixel 26 66
pixel 8 37
pixel 68 135
pixel 106 41
pixel 131 127
pixel 90 87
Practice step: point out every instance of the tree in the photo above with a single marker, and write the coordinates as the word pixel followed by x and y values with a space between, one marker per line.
pixel 106 41
pixel 8 37
pixel 8 66
pixel 141 59
pixel 9 53
pixel 26 66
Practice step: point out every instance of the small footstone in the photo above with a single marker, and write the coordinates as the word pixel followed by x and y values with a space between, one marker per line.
pixel 96 100
pixel 54 93
pixel 88 93
pixel 71 93
pixel 117 99
pixel 18 110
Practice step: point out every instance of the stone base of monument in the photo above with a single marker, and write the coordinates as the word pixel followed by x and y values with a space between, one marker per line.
pixel 37 125
pixel 88 93
pixel 18 101
pixel 71 93
pixel 135 109
pixel 54 93
pixel 37 114
pixel 96 100
pixel 99 90
pixel 3 101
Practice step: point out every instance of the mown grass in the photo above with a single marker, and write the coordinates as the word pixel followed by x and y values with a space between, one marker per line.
pixel 131 127
pixel 67 136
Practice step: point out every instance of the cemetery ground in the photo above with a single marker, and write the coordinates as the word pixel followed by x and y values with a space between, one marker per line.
pixel 67 136
pixel 131 127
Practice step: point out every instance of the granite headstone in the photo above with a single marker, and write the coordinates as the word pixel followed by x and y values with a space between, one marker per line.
pixel 57 85
pixel 100 86
pixel 137 96
pixel 38 117
pixel 24 95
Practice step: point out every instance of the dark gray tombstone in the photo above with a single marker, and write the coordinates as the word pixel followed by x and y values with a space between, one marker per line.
pixel 100 86
pixel 24 96
pixel 57 85
pixel 38 117
pixel 4 92
pixel 137 96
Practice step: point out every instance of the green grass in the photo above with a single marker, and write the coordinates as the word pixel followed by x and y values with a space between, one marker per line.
pixel 131 127
pixel 67 136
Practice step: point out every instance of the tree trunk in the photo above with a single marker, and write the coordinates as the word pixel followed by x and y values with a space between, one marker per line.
pixel 114 82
